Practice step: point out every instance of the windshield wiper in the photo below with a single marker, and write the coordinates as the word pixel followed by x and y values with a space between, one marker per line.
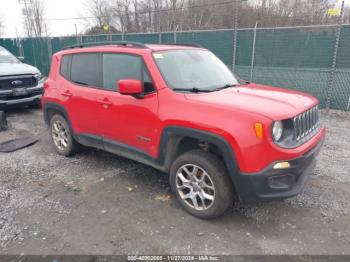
pixel 193 90
pixel 197 90
pixel 224 87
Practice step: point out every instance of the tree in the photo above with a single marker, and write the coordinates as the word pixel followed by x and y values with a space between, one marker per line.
pixel 169 15
pixel 34 13
pixel 101 11
pixel 98 30
pixel 347 15
pixel 121 10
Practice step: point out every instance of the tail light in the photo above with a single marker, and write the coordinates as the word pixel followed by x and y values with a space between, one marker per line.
pixel 46 85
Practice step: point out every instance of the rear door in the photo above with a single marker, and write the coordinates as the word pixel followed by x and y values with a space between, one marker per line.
pixel 81 92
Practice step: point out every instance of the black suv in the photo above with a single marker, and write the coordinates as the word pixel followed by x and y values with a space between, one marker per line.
pixel 20 84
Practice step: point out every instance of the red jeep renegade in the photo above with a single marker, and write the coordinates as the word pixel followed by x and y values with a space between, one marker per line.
pixel 179 109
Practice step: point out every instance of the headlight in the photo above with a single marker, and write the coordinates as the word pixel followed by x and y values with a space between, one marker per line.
pixel 38 76
pixel 277 130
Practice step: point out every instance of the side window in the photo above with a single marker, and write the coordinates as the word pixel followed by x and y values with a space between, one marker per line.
pixel 64 67
pixel 122 66
pixel 85 69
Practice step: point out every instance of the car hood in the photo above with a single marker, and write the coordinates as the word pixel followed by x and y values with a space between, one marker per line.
pixel 272 102
pixel 7 69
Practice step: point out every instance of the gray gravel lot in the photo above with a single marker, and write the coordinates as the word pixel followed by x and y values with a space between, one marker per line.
pixel 98 203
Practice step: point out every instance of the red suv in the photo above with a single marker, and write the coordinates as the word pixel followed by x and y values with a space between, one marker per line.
pixel 179 109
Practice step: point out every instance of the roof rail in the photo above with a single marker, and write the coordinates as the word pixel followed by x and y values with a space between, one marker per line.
pixel 184 44
pixel 119 43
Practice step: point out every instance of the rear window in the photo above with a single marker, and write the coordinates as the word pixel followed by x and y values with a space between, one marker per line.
pixel 85 69
pixel 64 67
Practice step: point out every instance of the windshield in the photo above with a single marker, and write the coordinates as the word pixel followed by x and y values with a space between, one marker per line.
pixel 189 69
pixel 7 57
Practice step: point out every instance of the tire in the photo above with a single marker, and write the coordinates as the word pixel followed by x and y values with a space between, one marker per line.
pixel 62 137
pixel 216 185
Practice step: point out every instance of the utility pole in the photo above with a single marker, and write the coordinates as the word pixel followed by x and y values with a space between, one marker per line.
pixel 236 5
pixel 49 44
pixel 253 52
pixel 335 54
pixel 235 35
pixel 76 33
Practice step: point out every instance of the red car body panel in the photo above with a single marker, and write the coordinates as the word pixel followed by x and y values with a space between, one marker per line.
pixel 139 123
pixel 139 117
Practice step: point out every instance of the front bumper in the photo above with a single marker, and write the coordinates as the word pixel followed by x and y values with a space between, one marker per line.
pixel 26 96
pixel 273 183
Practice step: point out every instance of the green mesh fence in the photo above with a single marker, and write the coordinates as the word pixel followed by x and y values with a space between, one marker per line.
pixel 11 45
pixel 340 96
pixel 219 42
pixel 36 53
pixel 295 58
pixel 143 38
pixel 298 58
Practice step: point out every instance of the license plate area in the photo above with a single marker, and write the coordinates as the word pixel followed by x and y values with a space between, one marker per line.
pixel 20 91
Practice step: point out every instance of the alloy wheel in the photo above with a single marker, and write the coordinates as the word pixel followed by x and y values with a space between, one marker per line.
pixel 195 187
pixel 59 135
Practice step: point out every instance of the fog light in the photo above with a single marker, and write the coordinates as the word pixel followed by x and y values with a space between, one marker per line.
pixel 281 182
pixel 281 165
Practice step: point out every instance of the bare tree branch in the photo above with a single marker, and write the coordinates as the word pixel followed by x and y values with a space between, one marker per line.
pixel 169 15
pixel 34 13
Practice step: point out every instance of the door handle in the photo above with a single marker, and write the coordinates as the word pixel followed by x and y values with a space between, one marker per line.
pixel 105 102
pixel 67 93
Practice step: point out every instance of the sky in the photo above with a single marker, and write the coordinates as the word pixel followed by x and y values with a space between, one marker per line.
pixel 11 11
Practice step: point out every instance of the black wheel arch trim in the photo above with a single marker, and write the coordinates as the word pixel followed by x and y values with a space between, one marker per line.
pixel 172 135
pixel 56 107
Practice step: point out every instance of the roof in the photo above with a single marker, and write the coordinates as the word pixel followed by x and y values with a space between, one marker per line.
pixel 133 47
pixel 162 47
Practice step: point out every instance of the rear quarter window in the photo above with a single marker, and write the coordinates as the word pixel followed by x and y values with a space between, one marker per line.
pixel 64 70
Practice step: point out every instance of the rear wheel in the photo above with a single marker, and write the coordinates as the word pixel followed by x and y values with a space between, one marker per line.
pixel 61 136
pixel 201 183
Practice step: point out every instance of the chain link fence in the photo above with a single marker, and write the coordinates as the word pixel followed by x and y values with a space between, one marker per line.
pixel 299 58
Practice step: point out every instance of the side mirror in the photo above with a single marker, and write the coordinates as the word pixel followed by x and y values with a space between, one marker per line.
pixel 20 58
pixel 130 87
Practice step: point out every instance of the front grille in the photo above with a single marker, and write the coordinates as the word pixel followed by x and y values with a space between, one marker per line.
pixel 10 82
pixel 306 123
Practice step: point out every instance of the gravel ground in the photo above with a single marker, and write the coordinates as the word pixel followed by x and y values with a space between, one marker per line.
pixel 98 203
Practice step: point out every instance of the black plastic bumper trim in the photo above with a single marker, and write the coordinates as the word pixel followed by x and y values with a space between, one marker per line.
pixel 258 186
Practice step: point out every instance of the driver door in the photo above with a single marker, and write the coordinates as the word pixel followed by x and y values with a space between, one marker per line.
pixel 127 121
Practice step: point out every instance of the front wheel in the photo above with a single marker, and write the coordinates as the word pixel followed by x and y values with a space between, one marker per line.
pixel 201 183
